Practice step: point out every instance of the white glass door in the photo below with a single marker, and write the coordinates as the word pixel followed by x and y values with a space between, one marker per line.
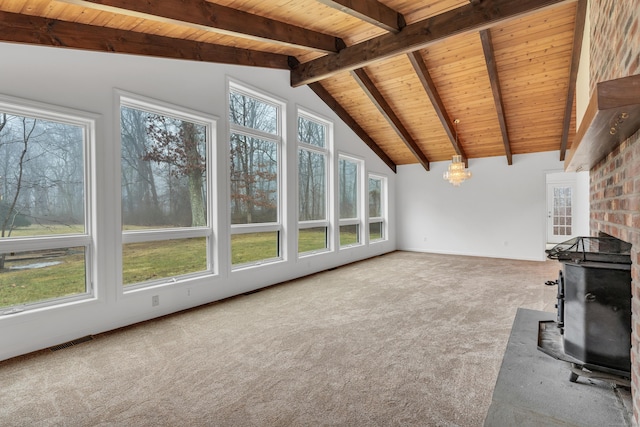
pixel 560 205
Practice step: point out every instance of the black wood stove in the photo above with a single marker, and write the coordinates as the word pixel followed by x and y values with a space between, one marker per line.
pixel 593 327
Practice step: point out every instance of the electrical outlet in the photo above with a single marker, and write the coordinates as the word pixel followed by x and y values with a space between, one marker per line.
pixel 155 300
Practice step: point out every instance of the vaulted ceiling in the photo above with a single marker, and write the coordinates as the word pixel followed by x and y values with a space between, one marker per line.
pixel 398 72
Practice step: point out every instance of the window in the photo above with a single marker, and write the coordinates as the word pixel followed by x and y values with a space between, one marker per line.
pixel 349 199
pixel 377 199
pixel 562 211
pixel 165 186
pixel 255 143
pixel 45 229
pixel 313 154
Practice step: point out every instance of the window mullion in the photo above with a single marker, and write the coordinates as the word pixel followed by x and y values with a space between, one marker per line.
pixel 313 224
pixel 313 148
pixel 31 244
pixel 254 228
pixel 254 133
pixel 169 234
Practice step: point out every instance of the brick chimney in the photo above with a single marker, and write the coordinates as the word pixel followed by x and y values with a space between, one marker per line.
pixel 614 49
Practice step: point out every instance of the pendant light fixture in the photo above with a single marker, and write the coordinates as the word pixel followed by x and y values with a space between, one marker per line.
pixel 457 173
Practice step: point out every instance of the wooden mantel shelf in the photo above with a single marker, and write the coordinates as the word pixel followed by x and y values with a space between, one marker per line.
pixel 612 116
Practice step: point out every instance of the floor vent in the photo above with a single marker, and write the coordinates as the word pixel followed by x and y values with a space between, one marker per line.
pixel 71 343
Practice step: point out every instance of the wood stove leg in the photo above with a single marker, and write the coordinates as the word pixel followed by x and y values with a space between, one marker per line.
pixel 573 377
pixel 581 371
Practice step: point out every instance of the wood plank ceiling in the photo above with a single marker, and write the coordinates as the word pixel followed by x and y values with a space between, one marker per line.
pixel 398 72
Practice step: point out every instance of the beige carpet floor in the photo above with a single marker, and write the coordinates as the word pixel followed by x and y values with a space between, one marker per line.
pixel 404 339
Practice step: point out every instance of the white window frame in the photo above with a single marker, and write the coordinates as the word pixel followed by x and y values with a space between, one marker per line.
pixel 87 121
pixel 383 208
pixel 357 220
pixel 326 152
pixel 279 139
pixel 139 102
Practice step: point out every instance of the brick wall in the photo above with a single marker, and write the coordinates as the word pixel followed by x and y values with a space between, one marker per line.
pixel 615 181
pixel 615 39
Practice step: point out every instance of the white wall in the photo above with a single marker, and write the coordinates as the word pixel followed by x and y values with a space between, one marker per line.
pixel 86 81
pixel 500 212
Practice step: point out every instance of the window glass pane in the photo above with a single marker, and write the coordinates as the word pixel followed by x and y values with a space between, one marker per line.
pixel 348 173
pixel 163 171
pixel 312 239
pixel 35 276
pixel 146 261
pixel 311 132
pixel 375 197
pixel 254 180
pixel 311 186
pixel 252 247
pixel 349 234
pixel 375 231
pixel 253 113
pixel 41 177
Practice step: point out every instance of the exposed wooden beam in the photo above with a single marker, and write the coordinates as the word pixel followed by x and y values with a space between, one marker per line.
pixel 50 32
pixel 463 20
pixel 581 13
pixel 371 11
pixel 385 109
pixel 349 121
pixel 429 86
pixel 207 16
pixel 490 59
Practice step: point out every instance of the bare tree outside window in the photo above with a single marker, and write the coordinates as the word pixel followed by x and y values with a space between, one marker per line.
pixel 376 212
pixel 253 160
pixel 41 178
pixel 348 194
pixel 375 197
pixel 311 171
pixel 163 171
pixel 311 185
pixel 254 180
